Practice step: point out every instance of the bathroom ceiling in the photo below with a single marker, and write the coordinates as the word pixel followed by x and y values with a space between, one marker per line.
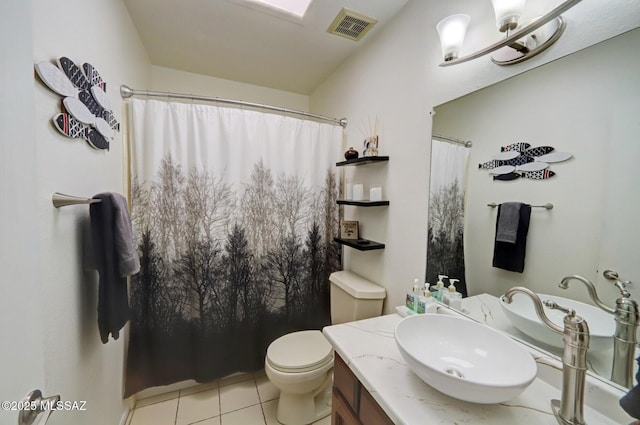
pixel 235 40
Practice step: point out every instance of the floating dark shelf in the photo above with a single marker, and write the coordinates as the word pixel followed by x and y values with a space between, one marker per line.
pixel 362 203
pixel 360 244
pixel 363 160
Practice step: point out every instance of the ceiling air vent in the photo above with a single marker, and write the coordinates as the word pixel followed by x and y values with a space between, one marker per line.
pixel 351 25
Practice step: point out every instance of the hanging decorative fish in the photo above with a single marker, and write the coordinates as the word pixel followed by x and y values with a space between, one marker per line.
pixel 75 74
pixel 96 140
pixel 88 100
pixel 93 76
pixel 104 128
pixel 508 176
pixel 518 147
pixel 86 112
pixel 100 96
pixel 538 175
pixel 555 157
pixel 81 113
pixel 98 86
pixel 491 164
pixel 55 79
pixel 520 160
pixel 111 119
pixel 532 166
pixel 506 155
pixel 504 169
pixel 539 150
pixel 69 126
pixel 72 128
pixel 78 110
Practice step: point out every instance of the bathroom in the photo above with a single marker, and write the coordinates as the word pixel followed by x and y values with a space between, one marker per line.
pixel 49 334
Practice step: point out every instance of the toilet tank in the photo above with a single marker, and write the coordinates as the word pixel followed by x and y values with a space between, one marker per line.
pixel 354 297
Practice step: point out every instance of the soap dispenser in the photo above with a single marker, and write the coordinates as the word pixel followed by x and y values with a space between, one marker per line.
pixel 427 287
pixel 411 301
pixel 424 301
pixel 439 288
pixel 453 298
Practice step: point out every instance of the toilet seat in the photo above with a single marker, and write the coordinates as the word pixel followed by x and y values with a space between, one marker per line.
pixel 299 352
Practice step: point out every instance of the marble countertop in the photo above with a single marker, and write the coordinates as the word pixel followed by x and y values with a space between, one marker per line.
pixel 369 349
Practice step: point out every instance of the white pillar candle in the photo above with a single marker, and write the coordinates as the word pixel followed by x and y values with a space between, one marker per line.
pixel 375 194
pixel 358 192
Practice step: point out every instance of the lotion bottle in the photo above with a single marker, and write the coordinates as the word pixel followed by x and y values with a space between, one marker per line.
pixel 424 301
pixel 439 288
pixel 453 297
pixel 411 301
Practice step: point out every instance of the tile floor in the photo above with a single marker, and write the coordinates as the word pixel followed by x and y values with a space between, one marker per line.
pixel 247 399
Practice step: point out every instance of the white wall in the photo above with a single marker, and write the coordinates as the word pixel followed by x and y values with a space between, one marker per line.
pixel 21 325
pixel 550 106
pixel 45 256
pixel 172 80
pixel 396 77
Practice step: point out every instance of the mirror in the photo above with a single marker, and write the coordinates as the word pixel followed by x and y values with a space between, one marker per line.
pixel 586 104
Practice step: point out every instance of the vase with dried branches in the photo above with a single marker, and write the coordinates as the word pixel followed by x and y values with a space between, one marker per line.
pixel 371 140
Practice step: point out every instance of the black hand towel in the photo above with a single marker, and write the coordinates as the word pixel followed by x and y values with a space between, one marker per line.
pixel 112 241
pixel 510 256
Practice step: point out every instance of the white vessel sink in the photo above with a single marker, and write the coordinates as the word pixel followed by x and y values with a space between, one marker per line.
pixel 464 359
pixel 522 315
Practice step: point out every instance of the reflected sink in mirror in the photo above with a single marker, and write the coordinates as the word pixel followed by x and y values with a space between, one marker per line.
pixel 522 314
pixel 464 359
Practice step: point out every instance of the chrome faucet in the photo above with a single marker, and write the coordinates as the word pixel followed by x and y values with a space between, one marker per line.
pixel 627 317
pixel 569 410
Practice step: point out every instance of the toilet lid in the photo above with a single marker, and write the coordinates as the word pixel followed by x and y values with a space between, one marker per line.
pixel 298 351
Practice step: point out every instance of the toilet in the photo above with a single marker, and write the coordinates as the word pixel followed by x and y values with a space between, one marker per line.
pixel 300 364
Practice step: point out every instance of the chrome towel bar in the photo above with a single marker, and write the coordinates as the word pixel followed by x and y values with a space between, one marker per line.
pixel 547 206
pixel 62 200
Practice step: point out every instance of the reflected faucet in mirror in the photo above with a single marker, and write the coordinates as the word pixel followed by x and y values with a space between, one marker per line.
pixel 569 410
pixel 626 316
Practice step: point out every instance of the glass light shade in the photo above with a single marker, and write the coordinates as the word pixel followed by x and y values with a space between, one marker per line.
pixel 507 13
pixel 452 30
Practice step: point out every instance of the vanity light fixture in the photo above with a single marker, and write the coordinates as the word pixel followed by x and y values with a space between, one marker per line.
pixel 520 42
pixel 452 30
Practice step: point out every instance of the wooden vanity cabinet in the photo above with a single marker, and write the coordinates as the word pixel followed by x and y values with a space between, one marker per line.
pixel 352 404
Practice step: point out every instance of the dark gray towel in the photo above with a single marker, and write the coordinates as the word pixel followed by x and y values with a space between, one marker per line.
pixel 508 220
pixel 124 245
pixel 509 256
pixel 115 258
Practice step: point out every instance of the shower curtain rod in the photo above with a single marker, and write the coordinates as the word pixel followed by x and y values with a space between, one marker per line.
pixel 467 143
pixel 127 92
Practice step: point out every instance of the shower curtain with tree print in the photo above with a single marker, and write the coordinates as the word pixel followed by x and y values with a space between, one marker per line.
pixel 234 213
pixel 445 249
